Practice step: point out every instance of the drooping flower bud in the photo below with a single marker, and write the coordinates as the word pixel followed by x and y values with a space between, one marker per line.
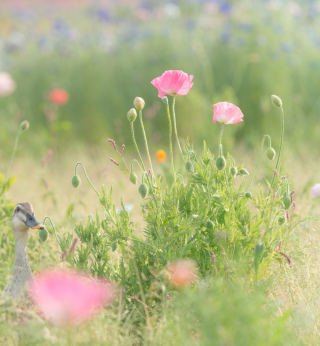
pixel 114 246
pixel 276 100
pixel 281 220
pixel 139 103
pixel 243 171
pixel 132 115
pixel 143 190
pixel 271 153
pixel 233 171
pixel 286 202
pixel 133 178
pixel 221 163
pixel 165 100
pixel 258 250
pixel 248 195
pixel 189 166
pixel 76 181
pixel 24 125
pixel 43 235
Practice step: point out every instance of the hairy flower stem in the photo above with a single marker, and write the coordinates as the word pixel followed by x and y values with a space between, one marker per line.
pixel 85 172
pixel 54 230
pixel 135 161
pixel 175 125
pixel 170 142
pixel 261 148
pixel 220 140
pixel 13 152
pixel 145 139
pixel 136 145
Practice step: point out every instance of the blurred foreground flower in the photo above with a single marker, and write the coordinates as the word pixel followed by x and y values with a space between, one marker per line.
pixel 161 155
pixel 7 84
pixel 173 82
pixel 66 297
pixel 315 190
pixel 59 96
pixel 226 113
pixel 182 273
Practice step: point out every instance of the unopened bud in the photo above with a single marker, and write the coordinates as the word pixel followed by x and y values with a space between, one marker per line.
pixel 133 178
pixel 143 190
pixel 233 171
pixel 43 235
pixel 276 100
pixel 210 225
pixel 139 103
pixel 271 153
pixel 24 125
pixel 248 194
pixel 189 166
pixel 132 115
pixel 221 163
pixel 114 246
pixel 76 181
pixel 243 171
pixel 286 202
pixel 281 220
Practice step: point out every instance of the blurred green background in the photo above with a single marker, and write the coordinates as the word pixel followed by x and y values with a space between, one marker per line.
pixel 105 53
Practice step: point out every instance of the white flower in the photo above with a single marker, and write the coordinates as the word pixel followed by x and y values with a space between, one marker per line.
pixel 315 190
pixel 7 84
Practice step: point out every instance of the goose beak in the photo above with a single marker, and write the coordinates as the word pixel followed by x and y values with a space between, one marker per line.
pixel 40 226
pixel 33 223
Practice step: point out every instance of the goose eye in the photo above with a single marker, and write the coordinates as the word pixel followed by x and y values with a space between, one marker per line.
pixel 18 209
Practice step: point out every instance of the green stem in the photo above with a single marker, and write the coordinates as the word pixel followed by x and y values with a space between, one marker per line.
pixel 259 157
pixel 175 125
pixel 220 139
pixel 136 145
pixel 135 161
pixel 13 152
pixel 84 170
pixel 170 142
pixel 145 139
pixel 54 230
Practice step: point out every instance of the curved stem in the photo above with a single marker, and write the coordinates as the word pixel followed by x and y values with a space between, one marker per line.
pixel 259 157
pixel 136 145
pixel 54 230
pixel 85 172
pixel 145 139
pixel 175 125
pixel 170 142
pixel 13 152
pixel 135 161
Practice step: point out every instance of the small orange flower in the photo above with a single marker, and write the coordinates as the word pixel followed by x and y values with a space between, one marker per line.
pixel 161 156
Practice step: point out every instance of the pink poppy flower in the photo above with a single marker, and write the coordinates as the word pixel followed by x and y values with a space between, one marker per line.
pixel 59 96
pixel 7 84
pixel 182 273
pixel 315 190
pixel 173 82
pixel 65 297
pixel 226 113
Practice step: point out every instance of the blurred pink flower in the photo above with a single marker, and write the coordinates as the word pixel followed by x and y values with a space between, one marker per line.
pixel 182 273
pixel 173 82
pixel 226 113
pixel 66 297
pixel 315 190
pixel 59 96
pixel 7 84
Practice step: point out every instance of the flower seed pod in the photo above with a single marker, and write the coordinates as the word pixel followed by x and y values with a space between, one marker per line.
pixel 189 166
pixel 243 171
pixel 76 181
pixel 143 190
pixel 221 163
pixel 286 202
pixel 133 178
pixel 210 225
pixel 139 103
pixel 281 220
pixel 276 100
pixel 233 171
pixel 132 115
pixel 43 235
pixel 24 125
pixel 248 195
pixel 271 153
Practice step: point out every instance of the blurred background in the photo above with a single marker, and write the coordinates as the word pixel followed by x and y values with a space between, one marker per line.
pixel 105 53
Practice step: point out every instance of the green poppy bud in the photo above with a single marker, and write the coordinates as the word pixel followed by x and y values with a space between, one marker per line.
pixel 143 190
pixel 189 166
pixel 258 250
pixel 24 125
pixel 233 171
pixel 271 153
pixel 210 225
pixel 133 178
pixel 281 220
pixel 276 100
pixel 243 171
pixel 286 202
pixel 43 235
pixel 139 103
pixel 221 163
pixel 132 115
pixel 248 194
pixel 76 181
pixel 114 246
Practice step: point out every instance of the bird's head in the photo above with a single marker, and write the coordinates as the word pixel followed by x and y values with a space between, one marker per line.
pixel 23 218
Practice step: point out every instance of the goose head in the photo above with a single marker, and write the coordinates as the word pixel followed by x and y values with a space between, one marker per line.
pixel 24 218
